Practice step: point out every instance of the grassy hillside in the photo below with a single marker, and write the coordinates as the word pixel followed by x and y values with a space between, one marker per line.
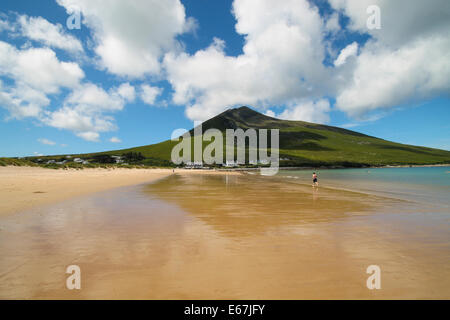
pixel 304 144
pixel 312 144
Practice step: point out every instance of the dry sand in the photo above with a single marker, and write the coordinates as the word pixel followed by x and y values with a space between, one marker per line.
pixel 23 188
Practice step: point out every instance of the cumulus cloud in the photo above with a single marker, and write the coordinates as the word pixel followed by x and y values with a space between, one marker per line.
pixel 35 75
pixel 46 141
pixel 89 136
pixel 309 111
pixel 131 36
pixel 87 110
pixel 349 51
pixel 149 94
pixel 22 101
pixel 127 92
pixel 32 75
pixel 281 61
pixel 5 25
pixel 384 78
pixel 52 35
pixel 407 59
pixel 332 23
pixel 270 113
pixel 115 140
pixel 281 65
pixel 402 21
pixel 38 68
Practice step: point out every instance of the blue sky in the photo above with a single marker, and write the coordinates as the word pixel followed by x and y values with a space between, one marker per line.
pixel 198 58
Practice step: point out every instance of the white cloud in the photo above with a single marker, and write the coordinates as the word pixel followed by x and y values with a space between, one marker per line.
pixel 281 61
pixel 332 24
pixel 52 35
pixel 87 110
pixel 349 51
pixel 384 78
pixel 308 111
pixel 270 113
pixel 350 125
pixel 149 94
pixel 115 140
pixel 284 49
pixel 91 98
pixel 131 36
pixel 46 141
pixel 407 60
pixel 38 68
pixel 36 75
pixel 127 92
pixel 5 25
pixel 22 101
pixel 32 75
pixel 89 136
pixel 402 21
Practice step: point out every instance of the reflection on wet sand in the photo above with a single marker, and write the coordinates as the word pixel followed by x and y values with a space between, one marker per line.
pixel 248 205
pixel 220 237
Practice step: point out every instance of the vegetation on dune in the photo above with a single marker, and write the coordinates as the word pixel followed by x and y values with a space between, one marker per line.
pixel 16 162
pixel 302 144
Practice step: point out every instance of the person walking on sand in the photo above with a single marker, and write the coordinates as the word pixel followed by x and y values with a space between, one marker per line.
pixel 315 181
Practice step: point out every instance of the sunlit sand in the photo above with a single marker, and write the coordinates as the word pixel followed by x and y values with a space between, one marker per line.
pixel 226 237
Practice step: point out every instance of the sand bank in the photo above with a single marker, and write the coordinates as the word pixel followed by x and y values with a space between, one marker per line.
pixel 23 188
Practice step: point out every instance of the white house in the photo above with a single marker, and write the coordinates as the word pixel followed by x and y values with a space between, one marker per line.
pixel 194 165
pixel 118 159
pixel 231 163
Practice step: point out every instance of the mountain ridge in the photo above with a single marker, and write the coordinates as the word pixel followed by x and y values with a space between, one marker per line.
pixel 301 144
pixel 243 113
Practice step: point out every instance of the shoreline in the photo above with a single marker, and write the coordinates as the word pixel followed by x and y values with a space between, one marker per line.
pixel 23 188
pixel 243 169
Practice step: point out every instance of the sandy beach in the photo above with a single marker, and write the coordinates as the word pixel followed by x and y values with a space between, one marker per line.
pixel 152 234
pixel 23 188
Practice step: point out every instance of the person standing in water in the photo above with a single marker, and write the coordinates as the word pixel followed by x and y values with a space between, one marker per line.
pixel 315 181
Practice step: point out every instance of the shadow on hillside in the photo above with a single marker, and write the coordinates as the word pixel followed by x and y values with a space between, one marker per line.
pixel 301 141
pixel 401 148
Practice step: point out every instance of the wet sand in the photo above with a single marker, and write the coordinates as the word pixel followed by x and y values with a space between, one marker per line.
pixel 226 237
pixel 23 188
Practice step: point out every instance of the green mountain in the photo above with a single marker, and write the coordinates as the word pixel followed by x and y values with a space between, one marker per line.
pixel 307 143
pixel 303 144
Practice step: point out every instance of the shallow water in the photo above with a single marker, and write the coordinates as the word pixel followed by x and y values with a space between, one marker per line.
pixel 228 237
pixel 428 185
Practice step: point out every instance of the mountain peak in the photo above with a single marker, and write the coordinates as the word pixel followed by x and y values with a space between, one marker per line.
pixel 242 117
pixel 242 111
pixel 245 108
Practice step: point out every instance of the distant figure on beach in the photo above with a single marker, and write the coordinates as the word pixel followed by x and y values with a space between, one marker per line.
pixel 315 181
